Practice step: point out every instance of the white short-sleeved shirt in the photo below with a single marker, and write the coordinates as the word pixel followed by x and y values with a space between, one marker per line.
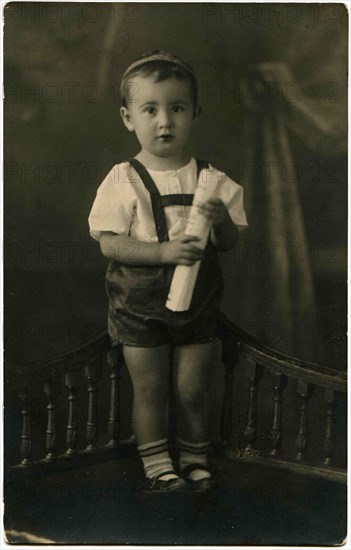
pixel 123 204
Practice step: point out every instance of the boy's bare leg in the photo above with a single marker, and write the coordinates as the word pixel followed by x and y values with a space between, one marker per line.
pixel 149 369
pixel 192 365
pixel 191 378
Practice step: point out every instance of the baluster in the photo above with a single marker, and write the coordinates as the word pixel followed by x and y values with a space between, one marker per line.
pixel 51 422
pixel 114 362
pixel 26 440
pixel 227 407
pixel 276 431
pixel 305 391
pixel 328 445
pixel 92 374
pixel 71 433
pixel 230 358
pixel 250 432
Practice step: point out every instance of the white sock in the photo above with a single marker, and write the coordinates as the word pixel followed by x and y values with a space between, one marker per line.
pixel 156 460
pixel 194 453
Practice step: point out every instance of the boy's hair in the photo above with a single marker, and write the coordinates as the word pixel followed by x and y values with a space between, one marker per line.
pixel 165 65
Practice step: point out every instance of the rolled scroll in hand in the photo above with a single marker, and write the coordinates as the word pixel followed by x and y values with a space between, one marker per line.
pixel 184 277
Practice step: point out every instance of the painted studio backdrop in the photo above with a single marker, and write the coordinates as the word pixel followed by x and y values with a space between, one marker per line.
pixel 272 81
pixel 273 90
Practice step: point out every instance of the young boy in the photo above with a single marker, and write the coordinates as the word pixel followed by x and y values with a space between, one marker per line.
pixel 139 217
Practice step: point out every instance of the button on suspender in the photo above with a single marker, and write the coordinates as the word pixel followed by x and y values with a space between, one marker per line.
pixel 159 201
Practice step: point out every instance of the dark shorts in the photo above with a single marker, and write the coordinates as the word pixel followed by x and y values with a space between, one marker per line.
pixel 137 312
pixel 176 329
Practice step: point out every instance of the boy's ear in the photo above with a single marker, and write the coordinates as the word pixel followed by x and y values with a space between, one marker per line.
pixel 127 119
pixel 197 111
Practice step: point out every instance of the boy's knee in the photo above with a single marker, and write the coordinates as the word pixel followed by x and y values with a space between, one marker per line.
pixel 152 393
pixel 191 397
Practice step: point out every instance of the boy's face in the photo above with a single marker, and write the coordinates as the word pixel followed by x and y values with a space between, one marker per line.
pixel 161 114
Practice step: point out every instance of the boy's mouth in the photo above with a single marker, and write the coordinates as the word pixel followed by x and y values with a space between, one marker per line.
pixel 165 137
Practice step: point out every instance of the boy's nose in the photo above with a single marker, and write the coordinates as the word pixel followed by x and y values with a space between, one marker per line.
pixel 165 120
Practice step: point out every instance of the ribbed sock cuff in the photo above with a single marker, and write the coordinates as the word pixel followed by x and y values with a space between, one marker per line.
pixel 153 448
pixel 155 457
pixel 193 453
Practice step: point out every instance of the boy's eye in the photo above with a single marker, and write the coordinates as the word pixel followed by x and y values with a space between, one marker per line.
pixel 150 110
pixel 177 108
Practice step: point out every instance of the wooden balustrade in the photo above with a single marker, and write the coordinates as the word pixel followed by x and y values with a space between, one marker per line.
pixel 26 431
pixel 328 444
pixel 71 369
pixel 255 373
pixel 305 391
pixel 51 421
pixel 276 431
pixel 114 362
pixel 92 373
pixel 72 430
pixel 96 362
pixel 285 370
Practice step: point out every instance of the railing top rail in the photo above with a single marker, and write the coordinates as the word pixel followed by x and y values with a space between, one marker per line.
pixel 234 339
pixel 69 361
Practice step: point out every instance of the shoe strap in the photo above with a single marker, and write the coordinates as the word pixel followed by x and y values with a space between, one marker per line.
pixel 168 472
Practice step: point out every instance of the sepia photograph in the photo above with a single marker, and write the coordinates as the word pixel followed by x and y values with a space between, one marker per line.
pixel 175 208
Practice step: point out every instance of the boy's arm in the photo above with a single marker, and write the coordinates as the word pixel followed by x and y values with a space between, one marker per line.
pixel 224 232
pixel 130 251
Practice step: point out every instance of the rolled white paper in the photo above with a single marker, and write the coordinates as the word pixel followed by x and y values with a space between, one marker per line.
pixel 184 277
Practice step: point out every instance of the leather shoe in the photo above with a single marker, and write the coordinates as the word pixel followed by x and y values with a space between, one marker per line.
pixel 200 485
pixel 156 485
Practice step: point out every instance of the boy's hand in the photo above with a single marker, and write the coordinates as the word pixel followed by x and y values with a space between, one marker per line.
pixel 180 251
pixel 214 210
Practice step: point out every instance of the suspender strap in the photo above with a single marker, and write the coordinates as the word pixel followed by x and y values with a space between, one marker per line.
pixel 158 201
pixel 182 199
pixel 159 216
